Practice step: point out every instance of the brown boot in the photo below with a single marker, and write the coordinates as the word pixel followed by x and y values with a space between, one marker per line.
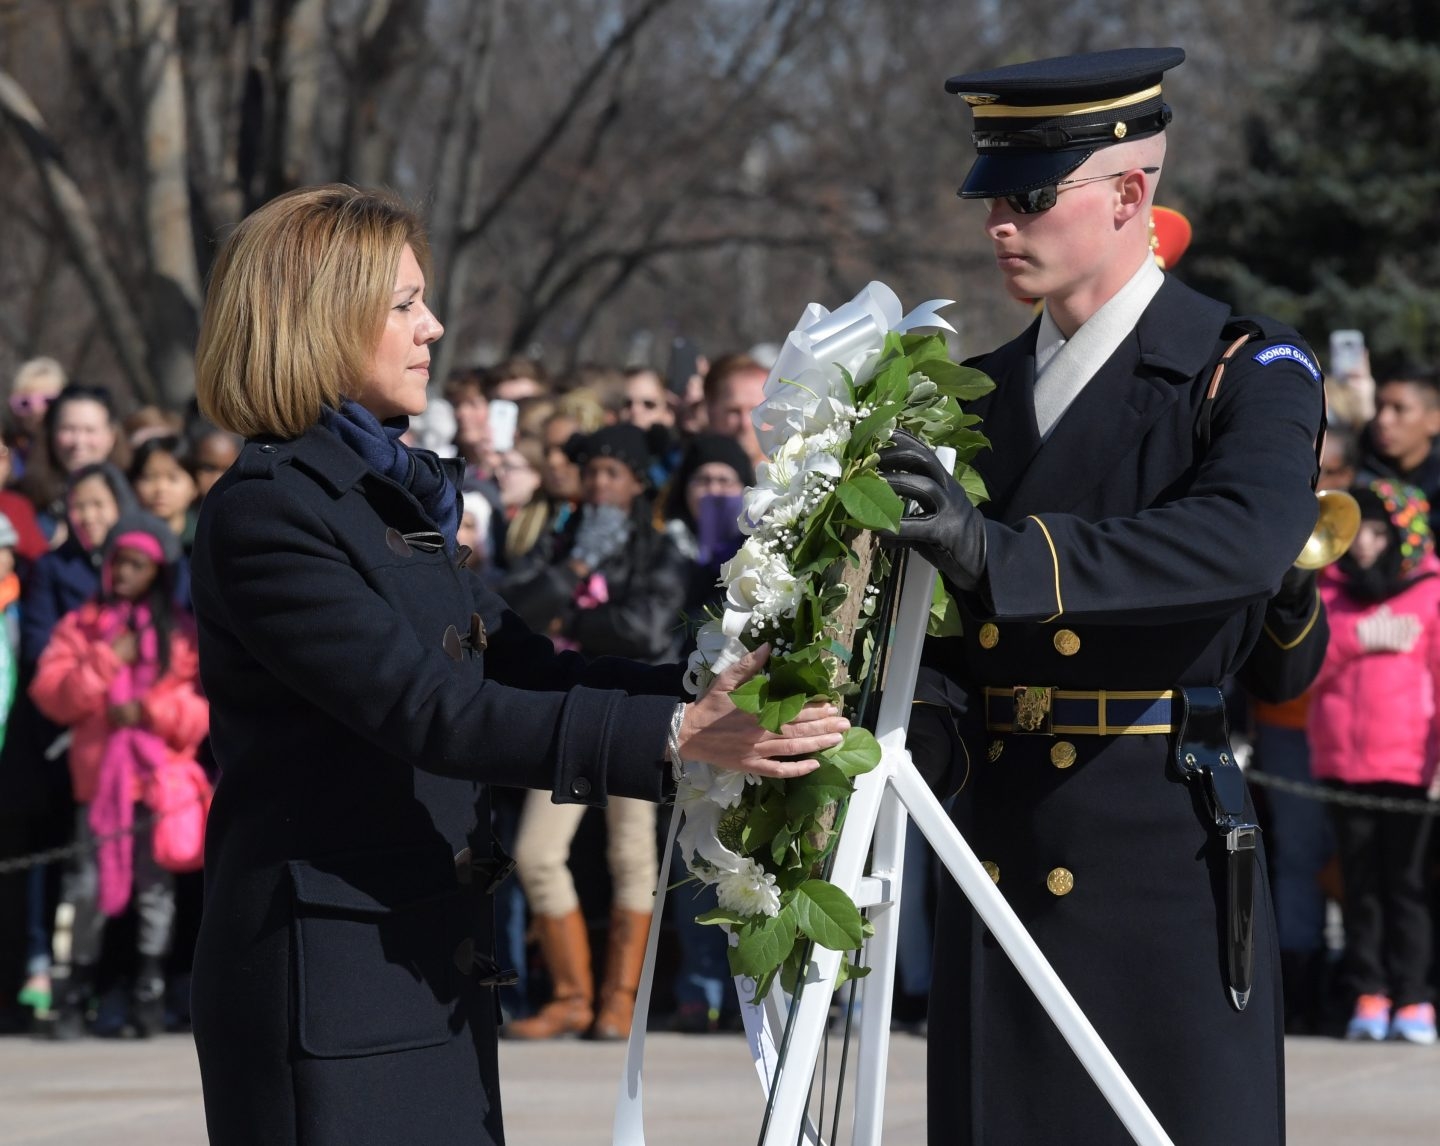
pixel 565 947
pixel 624 960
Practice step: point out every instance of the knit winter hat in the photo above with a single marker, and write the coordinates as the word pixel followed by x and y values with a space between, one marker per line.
pixel 702 450
pixel 1408 512
pixel 625 443
pixel 157 539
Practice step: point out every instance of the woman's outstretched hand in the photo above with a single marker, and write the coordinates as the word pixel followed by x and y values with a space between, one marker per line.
pixel 718 733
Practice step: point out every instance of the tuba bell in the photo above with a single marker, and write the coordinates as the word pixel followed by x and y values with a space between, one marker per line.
pixel 1335 530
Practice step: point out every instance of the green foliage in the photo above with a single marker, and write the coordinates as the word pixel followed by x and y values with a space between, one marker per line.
pixel 1325 218
pixel 790 827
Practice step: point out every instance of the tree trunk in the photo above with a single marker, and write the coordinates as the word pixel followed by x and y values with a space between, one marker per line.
pixel 461 176
pixel 174 278
pixel 78 225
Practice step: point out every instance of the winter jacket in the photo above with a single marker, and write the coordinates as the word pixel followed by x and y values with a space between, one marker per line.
pixel 73 686
pixel 62 580
pixel 1373 715
pixel 630 606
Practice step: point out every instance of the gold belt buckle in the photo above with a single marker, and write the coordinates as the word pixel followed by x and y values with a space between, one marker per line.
pixel 1032 710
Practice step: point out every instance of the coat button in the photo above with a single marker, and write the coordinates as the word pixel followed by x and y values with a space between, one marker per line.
pixel 479 639
pixel 464 866
pixel 1060 881
pixel 462 555
pixel 1067 644
pixel 996 747
pixel 450 642
pixel 992 869
pixel 267 449
pixel 989 635
pixel 580 786
pixel 396 543
pixel 1062 754
pixel 465 956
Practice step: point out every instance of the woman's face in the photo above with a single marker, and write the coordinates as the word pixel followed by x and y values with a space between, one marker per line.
pixel 517 478
pixel 165 487
pixel 132 573
pixel 83 434
pixel 472 425
pixel 93 511
pixel 713 479
pixel 611 482
pixel 399 373
pixel 646 403
pixel 29 403
pixel 1372 540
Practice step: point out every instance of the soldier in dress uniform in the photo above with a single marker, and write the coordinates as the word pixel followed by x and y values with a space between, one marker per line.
pixel 1151 474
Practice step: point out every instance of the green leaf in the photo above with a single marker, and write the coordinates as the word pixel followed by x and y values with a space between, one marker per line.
pixel 805 802
pixel 763 944
pixel 778 713
pixel 870 426
pixel 780 845
pixel 857 754
pixel 849 971
pixel 765 819
pixel 721 915
pixel 826 915
pixel 871 502
pixel 973 484
pixel 944 613
pixel 751 696
pixel 923 347
pixel 962 383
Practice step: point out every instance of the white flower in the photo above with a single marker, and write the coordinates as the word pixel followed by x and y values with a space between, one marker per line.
pixel 747 574
pixel 749 890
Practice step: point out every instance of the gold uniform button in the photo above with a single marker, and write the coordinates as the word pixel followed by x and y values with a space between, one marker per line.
pixel 989 635
pixel 992 869
pixel 1062 754
pixel 996 747
pixel 1060 881
pixel 1067 644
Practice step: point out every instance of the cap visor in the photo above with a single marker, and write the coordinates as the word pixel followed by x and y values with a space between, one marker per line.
pixel 1012 172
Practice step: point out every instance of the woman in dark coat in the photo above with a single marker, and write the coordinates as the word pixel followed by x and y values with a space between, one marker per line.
pixel 365 690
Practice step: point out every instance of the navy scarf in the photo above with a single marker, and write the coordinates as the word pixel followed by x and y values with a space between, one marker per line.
pixel 419 471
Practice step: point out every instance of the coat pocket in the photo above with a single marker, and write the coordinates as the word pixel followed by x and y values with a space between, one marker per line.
pixel 376 942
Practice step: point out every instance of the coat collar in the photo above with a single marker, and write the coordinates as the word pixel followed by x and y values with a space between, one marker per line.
pixel 1172 343
pixel 328 460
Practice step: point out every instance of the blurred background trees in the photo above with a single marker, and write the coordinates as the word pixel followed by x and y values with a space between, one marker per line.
pixel 601 176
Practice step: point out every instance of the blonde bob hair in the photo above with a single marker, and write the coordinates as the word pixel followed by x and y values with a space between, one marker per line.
pixel 296 306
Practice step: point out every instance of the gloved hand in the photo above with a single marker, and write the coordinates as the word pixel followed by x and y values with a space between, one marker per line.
pixel 602 532
pixel 947 530
pixel 1386 632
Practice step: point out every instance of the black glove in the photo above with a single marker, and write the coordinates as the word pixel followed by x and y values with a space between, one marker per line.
pixel 948 531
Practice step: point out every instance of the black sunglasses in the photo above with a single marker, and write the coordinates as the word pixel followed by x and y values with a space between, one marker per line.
pixel 1043 198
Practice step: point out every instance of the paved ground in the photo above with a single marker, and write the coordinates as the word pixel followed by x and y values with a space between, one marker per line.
pixel 700 1092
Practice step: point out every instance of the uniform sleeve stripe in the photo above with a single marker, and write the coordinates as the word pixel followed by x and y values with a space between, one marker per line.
pixel 1055 560
pixel 1286 646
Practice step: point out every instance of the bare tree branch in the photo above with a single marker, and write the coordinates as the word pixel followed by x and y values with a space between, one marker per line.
pixel 73 215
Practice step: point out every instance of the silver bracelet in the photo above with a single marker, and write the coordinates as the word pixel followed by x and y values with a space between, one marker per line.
pixel 677 764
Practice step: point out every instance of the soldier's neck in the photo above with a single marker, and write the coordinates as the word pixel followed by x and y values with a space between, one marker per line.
pixel 1072 309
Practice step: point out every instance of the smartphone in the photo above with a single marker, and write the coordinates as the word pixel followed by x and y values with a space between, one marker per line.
pixel 1347 352
pixel 683 357
pixel 504 415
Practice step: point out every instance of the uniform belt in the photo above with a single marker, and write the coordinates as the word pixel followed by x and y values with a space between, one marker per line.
pixel 1047 711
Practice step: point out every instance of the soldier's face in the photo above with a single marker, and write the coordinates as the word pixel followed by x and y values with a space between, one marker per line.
pixel 1055 252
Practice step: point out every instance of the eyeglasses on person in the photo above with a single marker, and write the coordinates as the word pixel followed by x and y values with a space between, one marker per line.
pixel 1043 198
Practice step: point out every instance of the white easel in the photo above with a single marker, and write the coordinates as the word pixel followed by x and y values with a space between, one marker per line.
pixel 876 816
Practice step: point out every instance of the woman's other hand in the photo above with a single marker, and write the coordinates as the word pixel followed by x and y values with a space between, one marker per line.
pixel 717 732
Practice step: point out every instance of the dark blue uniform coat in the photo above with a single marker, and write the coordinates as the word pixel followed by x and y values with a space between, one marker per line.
pixel 1121 556
pixel 336 998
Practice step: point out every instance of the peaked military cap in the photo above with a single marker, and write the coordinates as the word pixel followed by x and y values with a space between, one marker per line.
pixel 1036 122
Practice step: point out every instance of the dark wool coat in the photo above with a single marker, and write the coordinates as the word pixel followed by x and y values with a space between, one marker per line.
pixel 357 725
pixel 1121 556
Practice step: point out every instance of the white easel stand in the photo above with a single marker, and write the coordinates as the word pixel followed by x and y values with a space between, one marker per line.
pixel 877 814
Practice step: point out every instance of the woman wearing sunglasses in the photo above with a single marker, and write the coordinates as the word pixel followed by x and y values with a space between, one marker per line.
pixel 365 691
pixel 1143 510
pixel 34 388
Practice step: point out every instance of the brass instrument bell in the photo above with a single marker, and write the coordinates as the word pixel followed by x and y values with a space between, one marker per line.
pixel 1335 530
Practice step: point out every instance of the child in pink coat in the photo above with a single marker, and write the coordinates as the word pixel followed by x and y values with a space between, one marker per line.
pixel 121 672
pixel 1374 729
